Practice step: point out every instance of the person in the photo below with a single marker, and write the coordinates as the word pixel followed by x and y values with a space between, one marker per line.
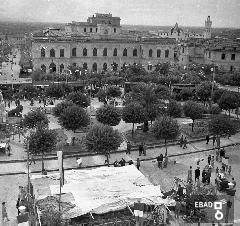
pixel 129 146
pixel 79 162
pixel 214 139
pixel 32 159
pixel 197 173
pixel 116 164
pixel 229 170
pixel 181 141
pixel 217 171
pixel 218 141
pixel 209 159
pixel 189 177
pixel 144 149
pixel 140 149
pixel 4 212
pixel 207 138
pixel 229 134
pixel 122 162
pixel 180 190
pixel 177 208
pixel 138 163
pixel 185 143
pixel 234 183
pixel 222 154
pixel 160 161
pixel 9 104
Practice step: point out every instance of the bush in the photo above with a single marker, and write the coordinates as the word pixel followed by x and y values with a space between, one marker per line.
pixel 108 115
pixel 174 109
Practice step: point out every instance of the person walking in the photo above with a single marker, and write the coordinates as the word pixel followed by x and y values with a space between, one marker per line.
pixel 32 159
pixel 185 143
pixel 218 141
pixel 181 141
pixel 144 149
pixel 214 139
pixel 138 163
pixel 4 212
pixel 207 139
pixel 197 174
pixel 129 146
pixel 189 177
pixel 229 170
pixel 140 148
pixel 160 161
pixel 9 104
pixel 209 159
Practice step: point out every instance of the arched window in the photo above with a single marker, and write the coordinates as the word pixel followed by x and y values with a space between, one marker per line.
pixel 150 53
pixel 85 67
pixel 94 52
pixel 105 52
pixel 43 68
pixel 158 53
pixel 135 52
pixel 115 52
pixel 94 67
pixel 61 52
pixel 52 67
pixel 43 52
pixel 52 53
pixel 105 66
pixel 125 52
pixel 166 53
pixel 61 68
pixel 74 52
pixel 84 52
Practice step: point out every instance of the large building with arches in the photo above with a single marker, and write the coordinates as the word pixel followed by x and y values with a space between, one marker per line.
pixel 96 44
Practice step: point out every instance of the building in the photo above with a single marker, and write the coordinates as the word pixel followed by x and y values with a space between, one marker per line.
pixel 96 44
pixel 180 35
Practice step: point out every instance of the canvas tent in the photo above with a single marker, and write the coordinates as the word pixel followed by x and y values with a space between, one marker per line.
pixel 100 190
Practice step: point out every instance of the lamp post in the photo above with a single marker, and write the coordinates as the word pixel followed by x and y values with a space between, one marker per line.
pixel 213 76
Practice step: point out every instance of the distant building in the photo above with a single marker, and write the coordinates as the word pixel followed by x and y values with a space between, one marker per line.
pixel 97 44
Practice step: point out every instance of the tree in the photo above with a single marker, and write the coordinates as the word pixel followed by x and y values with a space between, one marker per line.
pixel 102 95
pixel 37 75
pixel 79 99
pixel 215 109
pixel 185 94
pixel 55 91
pixel 174 109
pixel 192 110
pixel 41 141
pixel 108 115
pixel 59 108
pixel 34 119
pixel 217 95
pixel 229 101
pixel 166 128
pixel 29 91
pixel 73 118
pixel 103 138
pixel 220 124
pixel 113 91
pixel 203 91
pixel 133 113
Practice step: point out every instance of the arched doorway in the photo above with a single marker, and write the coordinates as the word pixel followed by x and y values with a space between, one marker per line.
pixel 52 67
pixel 94 67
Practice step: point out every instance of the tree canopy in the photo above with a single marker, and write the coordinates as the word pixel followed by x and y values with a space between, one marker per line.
pixel 59 108
pixel 174 109
pixel 73 118
pixel 113 91
pixel 79 99
pixel 109 115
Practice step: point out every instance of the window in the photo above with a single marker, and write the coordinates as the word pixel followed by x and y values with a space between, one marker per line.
pixel 183 50
pixel 94 67
pixel 209 55
pixel 115 52
pixel 94 52
pixel 90 29
pixel 74 52
pixel 233 57
pixel 166 53
pixel 43 52
pixel 43 68
pixel 125 52
pixel 150 53
pixel 96 29
pixel 85 29
pixel 115 30
pixel 85 67
pixel 61 52
pixel 84 52
pixel 105 66
pixel 105 52
pixel 231 68
pixel 61 68
pixel 158 53
pixel 135 52
pixel 52 67
pixel 149 67
pixel 223 56
pixel 52 53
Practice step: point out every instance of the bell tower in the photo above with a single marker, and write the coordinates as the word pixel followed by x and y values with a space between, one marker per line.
pixel 208 26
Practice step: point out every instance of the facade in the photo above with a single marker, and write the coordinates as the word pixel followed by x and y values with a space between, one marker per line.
pixel 178 33
pixel 53 50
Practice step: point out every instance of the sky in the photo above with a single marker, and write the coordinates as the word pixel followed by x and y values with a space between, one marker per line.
pixel 224 13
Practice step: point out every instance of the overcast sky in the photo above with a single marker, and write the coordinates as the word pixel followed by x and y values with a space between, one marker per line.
pixel 224 13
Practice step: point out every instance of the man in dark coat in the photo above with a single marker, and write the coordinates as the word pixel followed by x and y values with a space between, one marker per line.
pixel 197 174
